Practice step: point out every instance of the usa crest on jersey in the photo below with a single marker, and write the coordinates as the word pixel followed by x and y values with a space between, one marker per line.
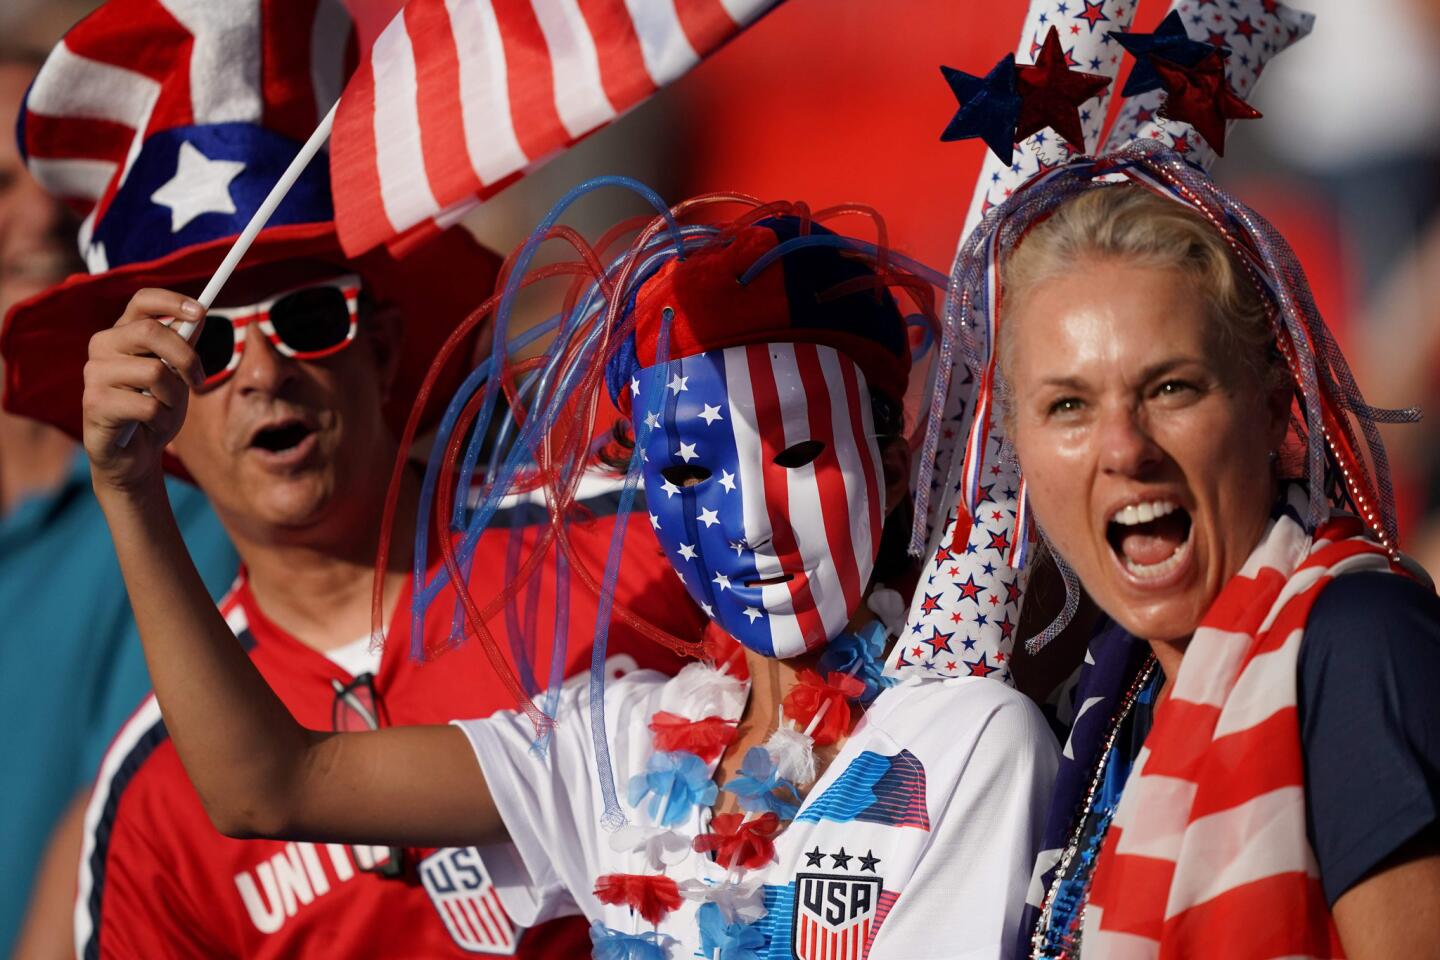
pixel 834 915
pixel 458 885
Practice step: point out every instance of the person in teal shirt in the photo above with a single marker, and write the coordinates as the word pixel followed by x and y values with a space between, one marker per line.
pixel 71 668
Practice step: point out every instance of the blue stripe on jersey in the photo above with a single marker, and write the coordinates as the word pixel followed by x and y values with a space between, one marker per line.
pixel 778 924
pixel 875 789
pixel 144 747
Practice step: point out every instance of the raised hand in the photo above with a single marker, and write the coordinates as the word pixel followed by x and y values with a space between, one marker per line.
pixel 140 371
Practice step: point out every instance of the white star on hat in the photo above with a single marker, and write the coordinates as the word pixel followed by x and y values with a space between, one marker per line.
pixel 753 614
pixel 722 581
pixel 200 186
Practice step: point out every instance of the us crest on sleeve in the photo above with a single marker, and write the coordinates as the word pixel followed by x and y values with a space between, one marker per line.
pixel 466 900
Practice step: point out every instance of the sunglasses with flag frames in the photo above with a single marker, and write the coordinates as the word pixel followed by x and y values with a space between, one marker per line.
pixel 306 323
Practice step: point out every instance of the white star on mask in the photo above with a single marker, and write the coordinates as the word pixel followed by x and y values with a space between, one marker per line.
pixel 686 452
pixel 709 518
pixel 635 386
pixel 727 480
pixel 752 614
pixel 654 521
pixel 677 384
pixel 687 551
pixel 669 488
pixel 200 186
pixel 710 414
pixel 722 581
pixel 738 546
pixel 652 420
pixel 709 610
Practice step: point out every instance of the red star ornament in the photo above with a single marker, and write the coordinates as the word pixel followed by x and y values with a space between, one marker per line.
pixel 1051 94
pixel 1201 97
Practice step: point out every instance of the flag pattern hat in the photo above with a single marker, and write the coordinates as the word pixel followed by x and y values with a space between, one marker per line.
pixel 165 125
pixel 970 495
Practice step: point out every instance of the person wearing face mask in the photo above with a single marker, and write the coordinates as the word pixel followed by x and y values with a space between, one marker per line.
pixel 760 364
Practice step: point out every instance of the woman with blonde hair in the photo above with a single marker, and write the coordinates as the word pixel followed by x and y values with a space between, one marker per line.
pixel 1190 444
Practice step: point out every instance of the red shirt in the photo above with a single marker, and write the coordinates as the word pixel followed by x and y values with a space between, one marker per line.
pixel 157 880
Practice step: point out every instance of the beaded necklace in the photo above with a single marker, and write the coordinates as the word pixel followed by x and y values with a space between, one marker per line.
pixel 678 778
pixel 1058 932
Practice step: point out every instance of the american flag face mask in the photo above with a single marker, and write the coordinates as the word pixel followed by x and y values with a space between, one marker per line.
pixel 765 488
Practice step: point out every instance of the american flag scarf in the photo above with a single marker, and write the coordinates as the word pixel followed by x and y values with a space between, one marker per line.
pixel 1207 854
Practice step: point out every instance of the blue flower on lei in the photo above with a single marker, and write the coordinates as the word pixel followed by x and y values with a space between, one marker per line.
pixel 757 785
pixel 611 944
pixel 675 782
pixel 858 654
pixel 720 940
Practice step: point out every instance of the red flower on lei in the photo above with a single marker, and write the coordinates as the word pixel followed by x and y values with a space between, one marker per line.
pixel 736 841
pixel 707 737
pixel 812 692
pixel 650 896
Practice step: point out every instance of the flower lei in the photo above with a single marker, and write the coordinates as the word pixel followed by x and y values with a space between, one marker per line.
pixel 677 779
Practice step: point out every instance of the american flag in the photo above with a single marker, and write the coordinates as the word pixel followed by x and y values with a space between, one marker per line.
pixel 457 98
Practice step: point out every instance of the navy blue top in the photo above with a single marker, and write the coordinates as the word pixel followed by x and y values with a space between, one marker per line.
pixel 1369 690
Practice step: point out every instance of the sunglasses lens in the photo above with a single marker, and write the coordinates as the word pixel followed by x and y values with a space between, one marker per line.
pixel 216 344
pixel 312 320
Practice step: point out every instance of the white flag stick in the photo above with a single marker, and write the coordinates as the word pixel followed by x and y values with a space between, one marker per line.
pixel 188 328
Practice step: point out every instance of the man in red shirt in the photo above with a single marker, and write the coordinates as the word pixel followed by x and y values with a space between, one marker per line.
pixel 309 363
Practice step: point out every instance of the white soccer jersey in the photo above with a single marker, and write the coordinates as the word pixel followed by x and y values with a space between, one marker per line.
pixel 917 842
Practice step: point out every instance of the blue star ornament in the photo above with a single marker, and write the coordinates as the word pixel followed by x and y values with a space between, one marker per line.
pixel 989 107
pixel 1171 42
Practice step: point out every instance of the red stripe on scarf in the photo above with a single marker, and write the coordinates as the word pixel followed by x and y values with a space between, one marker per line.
pixel 1241 923
pixel 1242 774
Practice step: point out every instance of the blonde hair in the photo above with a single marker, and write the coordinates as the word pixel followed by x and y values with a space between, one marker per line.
pixel 1135 226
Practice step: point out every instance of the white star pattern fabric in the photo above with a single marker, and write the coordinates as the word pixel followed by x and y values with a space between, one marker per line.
pixel 935 819
pixel 200 186
pixel 1254 31
pixel 1084 30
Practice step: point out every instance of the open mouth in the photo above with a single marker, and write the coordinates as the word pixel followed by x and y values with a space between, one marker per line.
pixel 281 437
pixel 771 581
pixel 1150 539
